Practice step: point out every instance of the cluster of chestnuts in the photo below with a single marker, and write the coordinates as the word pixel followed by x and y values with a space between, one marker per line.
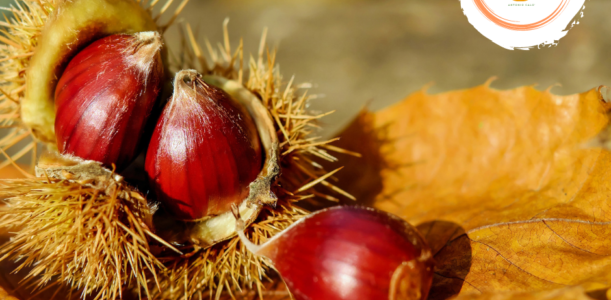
pixel 211 159
pixel 205 148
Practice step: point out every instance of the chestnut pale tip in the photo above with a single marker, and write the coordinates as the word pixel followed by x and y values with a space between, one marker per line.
pixel 184 85
pixel 146 44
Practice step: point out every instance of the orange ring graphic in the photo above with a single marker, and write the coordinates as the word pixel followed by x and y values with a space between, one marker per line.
pixel 508 24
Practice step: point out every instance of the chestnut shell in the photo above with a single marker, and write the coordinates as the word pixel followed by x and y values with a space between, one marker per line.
pixel 348 252
pixel 73 25
pixel 105 97
pixel 213 229
pixel 204 152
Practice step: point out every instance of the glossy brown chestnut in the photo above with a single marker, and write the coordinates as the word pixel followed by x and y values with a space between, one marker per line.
pixel 70 27
pixel 105 96
pixel 205 150
pixel 350 253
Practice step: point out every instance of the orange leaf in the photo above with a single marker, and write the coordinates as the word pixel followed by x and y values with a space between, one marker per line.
pixel 570 293
pixel 504 184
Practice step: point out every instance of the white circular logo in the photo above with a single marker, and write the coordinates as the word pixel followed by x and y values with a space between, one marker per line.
pixel 523 24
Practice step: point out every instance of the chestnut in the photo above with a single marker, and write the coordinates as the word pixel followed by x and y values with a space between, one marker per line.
pixel 211 150
pixel 348 252
pixel 105 96
pixel 72 26
pixel 204 152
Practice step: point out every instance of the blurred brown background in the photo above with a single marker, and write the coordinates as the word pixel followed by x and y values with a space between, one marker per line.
pixel 377 52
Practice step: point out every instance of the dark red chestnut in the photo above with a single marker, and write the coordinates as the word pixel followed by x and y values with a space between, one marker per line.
pixel 205 150
pixel 350 253
pixel 105 96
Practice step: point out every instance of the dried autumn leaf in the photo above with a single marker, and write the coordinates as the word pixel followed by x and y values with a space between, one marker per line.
pixel 4 295
pixel 568 293
pixel 505 185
